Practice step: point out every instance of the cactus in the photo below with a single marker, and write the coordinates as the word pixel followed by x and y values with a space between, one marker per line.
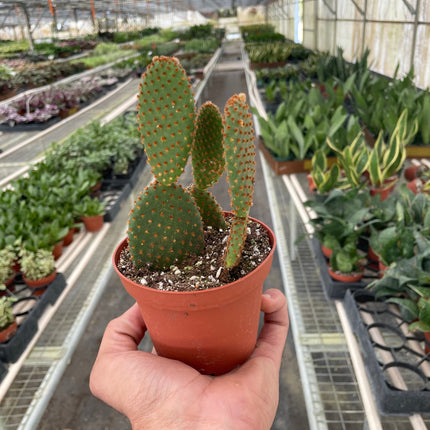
pixel 166 221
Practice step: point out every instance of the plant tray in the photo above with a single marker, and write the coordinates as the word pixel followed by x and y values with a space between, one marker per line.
pixel 31 126
pixel 11 351
pixel 115 196
pixel 396 364
pixel 286 167
pixel 418 151
pixel 132 177
pixel 270 65
pixel 336 289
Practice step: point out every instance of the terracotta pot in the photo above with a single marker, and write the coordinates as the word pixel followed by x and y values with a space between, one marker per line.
pixel 16 266
pixel 68 238
pixel 383 192
pixel 39 284
pixel 372 255
pixel 427 344
pixel 213 330
pixel 345 277
pixel 413 185
pixel 311 183
pixel 93 223
pixel 8 332
pixel 326 251
pixel 382 268
pixel 57 250
pixel 411 172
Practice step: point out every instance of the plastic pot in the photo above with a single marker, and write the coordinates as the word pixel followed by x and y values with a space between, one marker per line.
pixel 212 330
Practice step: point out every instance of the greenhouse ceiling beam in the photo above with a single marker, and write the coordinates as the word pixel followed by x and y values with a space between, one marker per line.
pixel 411 9
pixel 329 7
pixel 360 11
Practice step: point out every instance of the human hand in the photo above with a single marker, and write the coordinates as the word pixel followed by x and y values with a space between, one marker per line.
pixel 160 393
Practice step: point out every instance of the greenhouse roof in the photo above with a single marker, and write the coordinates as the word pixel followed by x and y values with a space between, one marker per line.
pixel 12 12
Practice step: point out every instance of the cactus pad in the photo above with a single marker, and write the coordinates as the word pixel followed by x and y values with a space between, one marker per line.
pixel 239 154
pixel 207 151
pixel 236 240
pixel 210 210
pixel 166 114
pixel 164 226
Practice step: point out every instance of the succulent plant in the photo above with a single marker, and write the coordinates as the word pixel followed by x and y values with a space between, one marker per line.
pixel 166 222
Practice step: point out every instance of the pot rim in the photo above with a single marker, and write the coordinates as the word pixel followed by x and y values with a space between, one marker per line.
pixel 124 241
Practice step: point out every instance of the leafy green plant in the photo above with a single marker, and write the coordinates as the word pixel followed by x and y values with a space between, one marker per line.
pixel 269 52
pixel 90 206
pixel 7 259
pixel 341 217
pixel 36 265
pixel 165 206
pixel 353 159
pixel 387 159
pixel 325 178
pixel 6 311
pixel 346 259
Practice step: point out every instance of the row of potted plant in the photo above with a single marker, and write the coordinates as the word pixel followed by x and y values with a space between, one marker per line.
pixel 41 211
pixel 375 100
pixel 59 101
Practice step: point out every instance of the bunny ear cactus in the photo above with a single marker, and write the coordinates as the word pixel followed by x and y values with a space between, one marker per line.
pixel 240 160
pixel 166 222
pixel 208 163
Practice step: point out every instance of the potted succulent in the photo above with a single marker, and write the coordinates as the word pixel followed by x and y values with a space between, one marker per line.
pixel 346 263
pixel 199 308
pixel 90 210
pixel 7 260
pixel 38 269
pixel 8 324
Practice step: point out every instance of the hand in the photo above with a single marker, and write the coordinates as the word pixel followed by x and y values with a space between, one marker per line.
pixel 160 393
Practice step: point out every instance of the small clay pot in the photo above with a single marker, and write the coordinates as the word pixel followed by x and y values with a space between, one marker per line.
pixel 39 285
pixel 8 332
pixel 345 277
pixel 93 223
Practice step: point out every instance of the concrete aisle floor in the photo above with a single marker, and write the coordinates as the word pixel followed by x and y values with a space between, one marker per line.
pixel 72 405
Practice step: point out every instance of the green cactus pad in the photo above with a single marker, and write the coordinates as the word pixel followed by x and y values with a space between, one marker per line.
pixel 164 227
pixel 210 210
pixel 236 240
pixel 239 154
pixel 166 115
pixel 207 151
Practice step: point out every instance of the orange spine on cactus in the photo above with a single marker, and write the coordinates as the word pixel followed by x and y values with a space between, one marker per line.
pixel 240 159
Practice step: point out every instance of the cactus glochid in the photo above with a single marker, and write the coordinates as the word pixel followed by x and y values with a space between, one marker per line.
pixel 166 221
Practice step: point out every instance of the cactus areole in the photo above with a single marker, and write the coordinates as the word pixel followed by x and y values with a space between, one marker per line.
pixel 167 221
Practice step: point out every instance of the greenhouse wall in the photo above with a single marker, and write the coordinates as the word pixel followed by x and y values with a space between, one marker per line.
pixel 397 32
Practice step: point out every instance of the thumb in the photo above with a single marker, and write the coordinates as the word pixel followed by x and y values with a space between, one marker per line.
pixel 273 335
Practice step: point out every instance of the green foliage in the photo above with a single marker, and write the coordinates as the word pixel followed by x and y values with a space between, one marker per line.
pixel 304 120
pixel 6 311
pixel 38 264
pixel 89 206
pixel 346 259
pixel 269 52
pixel 202 46
pixel 166 222
pixel 7 258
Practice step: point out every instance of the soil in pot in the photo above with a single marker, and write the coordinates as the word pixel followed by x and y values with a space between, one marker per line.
pixel 203 271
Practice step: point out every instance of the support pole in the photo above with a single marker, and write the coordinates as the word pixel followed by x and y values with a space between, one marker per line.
pixel 414 36
pixel 27 28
